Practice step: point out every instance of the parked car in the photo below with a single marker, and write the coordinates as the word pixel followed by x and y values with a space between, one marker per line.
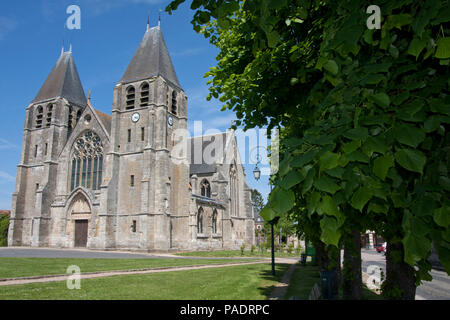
pixel 381 247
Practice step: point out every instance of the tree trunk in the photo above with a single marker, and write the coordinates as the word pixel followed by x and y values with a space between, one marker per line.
pixel 321 255
pixel 400 281
pixel 352 273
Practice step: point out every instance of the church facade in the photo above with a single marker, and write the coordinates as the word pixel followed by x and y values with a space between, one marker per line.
pixel 88 179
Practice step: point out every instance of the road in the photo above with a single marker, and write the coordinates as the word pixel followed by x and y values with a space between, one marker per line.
pixel 437 289
pixel 27 252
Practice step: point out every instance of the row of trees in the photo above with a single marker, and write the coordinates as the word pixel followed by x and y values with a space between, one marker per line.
pixel 363 116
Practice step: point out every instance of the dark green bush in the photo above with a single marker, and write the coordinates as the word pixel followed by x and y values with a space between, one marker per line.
pixel 4 224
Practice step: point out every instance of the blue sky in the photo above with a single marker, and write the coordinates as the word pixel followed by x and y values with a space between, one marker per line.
pixel 31 36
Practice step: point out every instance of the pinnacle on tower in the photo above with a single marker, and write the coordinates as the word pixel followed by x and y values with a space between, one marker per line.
pixel 151 59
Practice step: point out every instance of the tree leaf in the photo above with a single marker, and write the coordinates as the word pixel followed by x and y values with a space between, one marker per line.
pixel 351 146
pixel 291 179
pixel 416 248
pixel 360 198
pixel 283 200
pixel 381 166
pixel 412 160
pixel 416 46
pixel 374 144
pixel 268 214
pixel 308 180
pixel 326 184
pixel 300 160
pixel 431 124
pixel 329 206
pixel 332 67
pixel 409 135
pixel 360 133
pixel 273 38
pixel 329 160
pixel 381 99
pixel 313 203
pixel 443 48
pixel 330 231
pixel 442 216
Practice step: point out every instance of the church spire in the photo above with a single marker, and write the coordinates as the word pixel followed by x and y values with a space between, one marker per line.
pixel 151 59
pixel 63 82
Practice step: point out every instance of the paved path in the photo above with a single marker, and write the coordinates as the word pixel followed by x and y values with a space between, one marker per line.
pixel 280 289
pixel 25 252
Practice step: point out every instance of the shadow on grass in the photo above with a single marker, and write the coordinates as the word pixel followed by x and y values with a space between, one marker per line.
pixel 280 269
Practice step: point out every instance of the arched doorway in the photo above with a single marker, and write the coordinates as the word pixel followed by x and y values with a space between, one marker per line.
pixel 80 214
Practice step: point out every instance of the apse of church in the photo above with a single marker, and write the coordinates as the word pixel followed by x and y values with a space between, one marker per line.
pixel 89 179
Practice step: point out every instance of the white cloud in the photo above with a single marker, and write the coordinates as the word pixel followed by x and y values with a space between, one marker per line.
pixel 5 144
pixel 6 177
pixel 7 25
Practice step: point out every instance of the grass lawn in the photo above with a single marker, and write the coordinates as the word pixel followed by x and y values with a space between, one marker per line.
pixel 237 253
pixel 253 282
pixel 25 267
pixel 304 278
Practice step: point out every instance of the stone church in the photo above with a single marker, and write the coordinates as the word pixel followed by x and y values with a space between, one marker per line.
pixel 88 179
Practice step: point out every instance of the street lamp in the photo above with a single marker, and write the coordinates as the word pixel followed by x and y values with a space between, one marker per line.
pixel 257 173
pixel 272 223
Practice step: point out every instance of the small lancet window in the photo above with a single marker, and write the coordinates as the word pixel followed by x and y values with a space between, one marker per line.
pixel 200 221
pixel 214 222
pixel 174 102
pixel 206 188
pixel 70 119
pixel 39 116
pixel 49 114
pixel 145 92
pixel 131 95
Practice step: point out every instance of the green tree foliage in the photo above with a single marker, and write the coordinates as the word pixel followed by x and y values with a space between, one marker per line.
pixel 257 200
pixel 4 224
pixel 365 113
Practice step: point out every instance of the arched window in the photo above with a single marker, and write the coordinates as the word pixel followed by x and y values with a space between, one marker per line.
pixel 145 91
pixel 214 222
pixel 234 191
pixel 39 116
pixel 174 102
pixel 87 162
pixel 206 188
pixel 70 119
pixel 131 95
pixel 49 114
pixel 200 221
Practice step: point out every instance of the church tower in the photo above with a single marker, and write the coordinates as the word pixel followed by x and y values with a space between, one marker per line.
pixel 50 117
pixel 147 190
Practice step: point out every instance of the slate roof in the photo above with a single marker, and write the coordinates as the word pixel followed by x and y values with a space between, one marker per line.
pixel 151 59
pixel 105 119
pixel 200 165
pixel 64 82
